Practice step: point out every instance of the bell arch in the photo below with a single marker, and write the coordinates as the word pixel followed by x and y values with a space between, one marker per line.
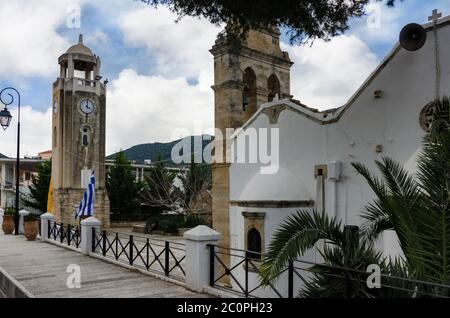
pixel 274 87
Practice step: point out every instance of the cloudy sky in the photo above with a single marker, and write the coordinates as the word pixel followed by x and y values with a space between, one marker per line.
pixel 159 71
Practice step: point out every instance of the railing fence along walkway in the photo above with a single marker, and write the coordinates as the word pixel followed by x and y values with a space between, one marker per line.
pixel 203 266
pixel 163 257
pixel 290 282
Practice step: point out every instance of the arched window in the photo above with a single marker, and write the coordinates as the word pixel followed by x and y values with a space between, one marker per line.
pixel 273 85
pixel 254 244
pixel 249 93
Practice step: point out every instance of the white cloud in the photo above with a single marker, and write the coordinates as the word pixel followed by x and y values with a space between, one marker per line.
pixel 382 24
pixel 326 74
pixel 143 109
pixel 35 132
pixel 30 42
pixel 178 49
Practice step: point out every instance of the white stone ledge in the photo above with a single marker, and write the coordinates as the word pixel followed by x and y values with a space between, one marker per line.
pixel 11 287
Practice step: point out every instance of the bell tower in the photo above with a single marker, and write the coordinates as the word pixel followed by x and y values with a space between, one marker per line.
pixel 78 136
pixel 247 73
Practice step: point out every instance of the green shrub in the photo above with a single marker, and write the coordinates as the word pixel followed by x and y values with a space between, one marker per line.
pixel 165 223
pixel 194 220
pixel 10 211
pixel 170 223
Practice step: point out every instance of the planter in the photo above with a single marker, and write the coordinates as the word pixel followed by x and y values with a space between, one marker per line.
pixel 8 224
pixel 181 231
pixel 31 229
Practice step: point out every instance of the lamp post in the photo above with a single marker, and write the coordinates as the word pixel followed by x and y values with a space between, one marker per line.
pixel 7 98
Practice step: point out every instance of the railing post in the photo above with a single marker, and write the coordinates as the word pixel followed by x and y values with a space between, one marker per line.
pixel 68 234
pixel 166 259
pixel 47 220
pixel 89 227
pixel 199 268
pixel 131 254
pixel 104 243
pixel 61 232
pixel 211 265
pixel 117 247
pixel 94 236
pixel 291 280
pixel 22 215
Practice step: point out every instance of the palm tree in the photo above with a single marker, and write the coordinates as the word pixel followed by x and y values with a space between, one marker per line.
pixel 415 206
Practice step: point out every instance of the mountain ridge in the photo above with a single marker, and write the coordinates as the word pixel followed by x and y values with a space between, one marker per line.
pixel 150 151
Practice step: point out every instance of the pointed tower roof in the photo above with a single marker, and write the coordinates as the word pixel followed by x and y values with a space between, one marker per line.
pixel 80 48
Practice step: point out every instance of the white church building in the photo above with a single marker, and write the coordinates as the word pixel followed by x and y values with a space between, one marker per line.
pixel 387 116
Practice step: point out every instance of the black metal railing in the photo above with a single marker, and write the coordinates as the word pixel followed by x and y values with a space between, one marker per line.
pixel 230 269
pixel 151 254
pixel 64 234
pixel 234 275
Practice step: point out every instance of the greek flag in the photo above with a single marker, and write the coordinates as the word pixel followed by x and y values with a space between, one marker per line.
pixel 86 207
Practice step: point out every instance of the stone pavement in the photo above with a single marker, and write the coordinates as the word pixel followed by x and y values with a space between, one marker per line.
pixel 41 269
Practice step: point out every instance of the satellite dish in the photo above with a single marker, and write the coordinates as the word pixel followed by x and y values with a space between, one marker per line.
pixel 412 37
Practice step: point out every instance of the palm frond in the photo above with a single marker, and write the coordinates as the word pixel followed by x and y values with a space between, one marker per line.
pixel 295 236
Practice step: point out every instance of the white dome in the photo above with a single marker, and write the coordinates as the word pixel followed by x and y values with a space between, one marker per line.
pixel 282 186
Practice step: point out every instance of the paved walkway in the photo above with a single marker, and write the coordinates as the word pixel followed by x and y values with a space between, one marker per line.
pixel 41 269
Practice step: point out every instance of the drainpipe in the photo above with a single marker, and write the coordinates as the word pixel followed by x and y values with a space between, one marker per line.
pixel 320 172
pixel 334 175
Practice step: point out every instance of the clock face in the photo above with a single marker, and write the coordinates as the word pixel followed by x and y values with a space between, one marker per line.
pixel 87 106
pixel 55 107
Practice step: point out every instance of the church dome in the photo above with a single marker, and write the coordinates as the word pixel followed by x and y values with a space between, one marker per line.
pixel 80 48
pixel 284 185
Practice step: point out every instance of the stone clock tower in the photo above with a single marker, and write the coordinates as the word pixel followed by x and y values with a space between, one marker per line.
pixel 79 113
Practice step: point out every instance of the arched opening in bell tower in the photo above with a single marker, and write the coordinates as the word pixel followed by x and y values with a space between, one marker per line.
pixel 274 87
pixel 249 93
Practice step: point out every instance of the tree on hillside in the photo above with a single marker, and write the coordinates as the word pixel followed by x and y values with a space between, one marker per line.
pixel 39 187
pixel 123 190
pixel 303 19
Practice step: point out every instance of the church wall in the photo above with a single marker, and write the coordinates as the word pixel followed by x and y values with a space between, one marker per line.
pixel 407 83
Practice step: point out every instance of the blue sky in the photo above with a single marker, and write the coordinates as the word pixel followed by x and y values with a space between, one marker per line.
pixel 160 72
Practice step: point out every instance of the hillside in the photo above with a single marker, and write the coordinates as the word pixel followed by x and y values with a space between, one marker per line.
pixel 142 152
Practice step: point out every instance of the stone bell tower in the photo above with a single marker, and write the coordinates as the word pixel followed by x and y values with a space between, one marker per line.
pixel 78 139
pixel 247 73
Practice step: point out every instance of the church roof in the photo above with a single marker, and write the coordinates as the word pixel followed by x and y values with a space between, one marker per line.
pixel 333 115
pixel 80 48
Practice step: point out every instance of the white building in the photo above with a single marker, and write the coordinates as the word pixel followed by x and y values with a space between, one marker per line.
pixel 387 116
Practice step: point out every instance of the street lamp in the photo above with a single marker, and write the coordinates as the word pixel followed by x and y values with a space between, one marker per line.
pixel 7 98
pixel 5 118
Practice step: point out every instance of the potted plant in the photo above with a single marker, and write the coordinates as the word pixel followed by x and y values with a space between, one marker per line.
pixel 31 227
pixel 8 221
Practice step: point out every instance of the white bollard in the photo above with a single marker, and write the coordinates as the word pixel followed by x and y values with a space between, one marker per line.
pixel 22 215
pixel 197 256
pixel 2 213
pixel 45 229
pixel 86 233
